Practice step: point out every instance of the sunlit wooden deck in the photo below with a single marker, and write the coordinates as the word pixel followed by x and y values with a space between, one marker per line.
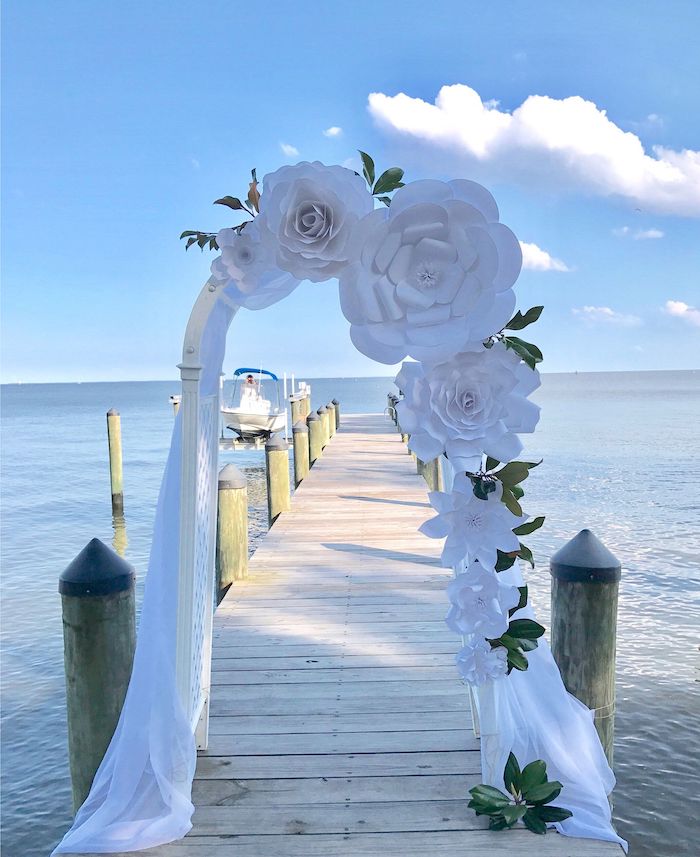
pixel 339 725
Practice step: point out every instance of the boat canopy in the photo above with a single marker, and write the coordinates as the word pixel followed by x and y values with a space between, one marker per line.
pixel 246 371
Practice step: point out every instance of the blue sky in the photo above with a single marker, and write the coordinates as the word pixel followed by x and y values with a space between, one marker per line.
pixel 123 121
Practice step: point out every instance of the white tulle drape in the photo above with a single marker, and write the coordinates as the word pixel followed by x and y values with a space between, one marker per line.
pixel 532 715
pixel 140 796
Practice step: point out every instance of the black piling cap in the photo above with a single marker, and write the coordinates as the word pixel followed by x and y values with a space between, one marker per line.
pixel 231 477
pixel 97 570
pixel 335 402
pixel 322 410
pixel 311 417
pixel 300 427
pixel 585 559
pixel 275 442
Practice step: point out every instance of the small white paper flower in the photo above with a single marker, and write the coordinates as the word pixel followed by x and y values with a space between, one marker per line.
pixel 475 529
pixel 431 274
pixel 478 663
pixel 307 215
pixel 474 403
pixel 249 270
pixel 480 602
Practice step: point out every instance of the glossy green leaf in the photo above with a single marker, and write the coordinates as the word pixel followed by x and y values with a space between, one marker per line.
pixel 519 321
pixel 517 660
pixel 521 603
pixel 517 492
pixel 511 775
pixel 389 180
pixel 513 813
pixel 526 554
pixel 491 463
pixel 504 560
pixel 385 199
pixel 498 823
pixel 527 352
pixel 534 774
pixel 533 822
pixel 367 167
pixel 543 793
pixel 508 498
pixel 231 202
pixel 489 795
pixel 525 629
pixel 516 471
pixel 529 527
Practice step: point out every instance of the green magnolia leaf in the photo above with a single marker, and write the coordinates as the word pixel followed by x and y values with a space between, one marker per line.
pixel 534 774
pixel 511 775
pixel 483 487
pixel 385 199
pixel 533 822
pixel 521 603
pixel 190 242
pixel 516 471
pixel 498 823
pixel 517 660
pixel 508 642
pixel 529 527
pixel 367 167
pixel 551 813
pixel 527 352
pixel 491 463
pixel 526 554
pixel 389 180
pixel 525 629
pixel 231 202
pixel 508 497
pixel 489 796
pixel 527 645
pixel 517 492
pixel 513 813
pixel 519 321
pixel 186 233
pixel 542 793
pixel 505 560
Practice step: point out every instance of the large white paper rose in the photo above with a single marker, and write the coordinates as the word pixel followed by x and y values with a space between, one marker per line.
pixel 472 404
pixel 431 274
pixel 478 663
pixel 475 529
pixel 249 269
pixel 480 602
pixel 308 213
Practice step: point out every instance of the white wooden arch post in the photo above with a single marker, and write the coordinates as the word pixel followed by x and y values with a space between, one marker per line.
pixel 197 542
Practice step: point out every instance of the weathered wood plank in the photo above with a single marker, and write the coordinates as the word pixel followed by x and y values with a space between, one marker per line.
pixel 269 724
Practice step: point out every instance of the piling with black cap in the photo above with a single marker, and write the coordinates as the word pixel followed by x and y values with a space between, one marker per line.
pixel 336 405
pixel 300 434
pixel 585 583
pixel 298 407
pixel 315 426
pixel 277 477
pixel 325 433
pixel 432 474
pixel 231 529
pixel 114 442
pixel 330 407
pixel 99 635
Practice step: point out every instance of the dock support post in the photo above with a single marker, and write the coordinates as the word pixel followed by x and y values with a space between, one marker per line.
pixel 331 419
pixel 336 404
pixel 315 426
pixel 277 477
pixel 585 583
pixel 99 635
pixel 231 529
pixel 420 464
pixel 114 440
pixel 298 406
pixel 431 474
pixel 404 437
pixel 300 433
pixel 325 434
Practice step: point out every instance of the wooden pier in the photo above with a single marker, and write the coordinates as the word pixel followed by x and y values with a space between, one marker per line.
pixel 339 725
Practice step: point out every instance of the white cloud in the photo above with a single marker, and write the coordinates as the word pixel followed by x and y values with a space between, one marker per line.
pixel 605 315
pixel 679 309
pixel 537 259
pixel 289 151
pixel 638 234
pixel 566 143
pixel 333 131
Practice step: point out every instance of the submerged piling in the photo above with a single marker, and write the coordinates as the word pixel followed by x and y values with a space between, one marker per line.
pixel 99 635
pixel 231 529
pixel 277 477
pixel 300 433
pixel 114 441
pixel 585 583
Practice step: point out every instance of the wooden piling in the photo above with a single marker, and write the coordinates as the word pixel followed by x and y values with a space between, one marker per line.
pixel 99 635
pixel 432 474
pixel 331 419
pixel 315 426
pixel 231 529
pixel 298 406
pixel 585 583
pixel 114 440
pixel 325 433
pixel 300 433
pixel 336 405
pixel 277 477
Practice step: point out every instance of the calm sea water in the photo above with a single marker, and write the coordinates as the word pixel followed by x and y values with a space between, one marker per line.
pixel 621 456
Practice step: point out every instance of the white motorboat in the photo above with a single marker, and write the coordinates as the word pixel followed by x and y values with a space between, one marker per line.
pixel 255 417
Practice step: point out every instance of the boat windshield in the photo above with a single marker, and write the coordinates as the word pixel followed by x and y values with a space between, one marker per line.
pixel 253 397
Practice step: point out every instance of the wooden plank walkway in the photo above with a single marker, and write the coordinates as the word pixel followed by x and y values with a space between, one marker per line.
pixel 339 726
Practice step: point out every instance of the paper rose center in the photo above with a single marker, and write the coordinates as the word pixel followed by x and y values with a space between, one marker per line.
pixel 314 220
pixel 245 255
pixel 473 521
pixel 427 275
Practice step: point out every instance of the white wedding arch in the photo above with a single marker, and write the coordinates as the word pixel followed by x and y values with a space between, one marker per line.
pixel 427 275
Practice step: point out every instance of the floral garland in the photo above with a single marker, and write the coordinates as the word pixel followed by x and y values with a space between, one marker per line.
pixel 425 271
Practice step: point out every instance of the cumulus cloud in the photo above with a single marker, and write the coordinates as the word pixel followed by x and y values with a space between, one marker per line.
pixel 289 151
pixel 333 131
pixel 606 315
pixel 566 143
pixel 680 309
pixel 537 259
pixel 638 234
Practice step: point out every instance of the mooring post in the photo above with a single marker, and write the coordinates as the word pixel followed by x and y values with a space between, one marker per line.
pixel 404 437
pixel 585 583
pixel 114 441
pixel 277 477
pixel 300 432
pixel 336 404
pixel 325 434
pixel 432 475
pixel 231 529
pixel 298 406
pixel 419 466
pixel 331 419
pixel 315 426
pixel 99 635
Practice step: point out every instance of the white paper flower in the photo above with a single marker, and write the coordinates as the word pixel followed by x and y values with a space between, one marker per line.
pixel 472 404
pixel 307 214
pixel 478 663
pixel 249 269
pixel 432 273
pixel 475 528
pixel 480 602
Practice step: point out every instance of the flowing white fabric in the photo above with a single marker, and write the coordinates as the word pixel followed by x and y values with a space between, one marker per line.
pixel 532 715
pixel 140 796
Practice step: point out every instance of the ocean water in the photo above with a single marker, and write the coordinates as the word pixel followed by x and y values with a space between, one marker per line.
pixel 621 456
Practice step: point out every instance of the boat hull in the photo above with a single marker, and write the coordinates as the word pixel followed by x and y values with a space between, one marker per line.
pixel 251 426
